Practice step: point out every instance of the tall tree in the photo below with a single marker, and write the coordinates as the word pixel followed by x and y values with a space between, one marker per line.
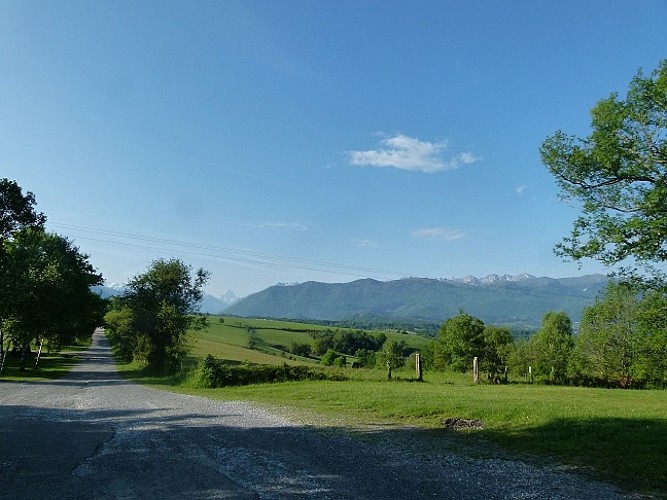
pixel 390 356
pixel 650 362
pixel 605 348
pixel 17 211
pixel 51 297
pixel 619 174
pixel 552 345
pixel 498 347
pixel 461 338
pixel 161 304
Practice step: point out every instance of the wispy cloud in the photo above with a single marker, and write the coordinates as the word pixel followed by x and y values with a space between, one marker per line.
pixel 409 153
pixel 440 233
pixel 364 243
pixel 294 226
pixel 520 189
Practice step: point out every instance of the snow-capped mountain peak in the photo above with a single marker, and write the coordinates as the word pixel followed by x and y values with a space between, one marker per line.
pixel 229 297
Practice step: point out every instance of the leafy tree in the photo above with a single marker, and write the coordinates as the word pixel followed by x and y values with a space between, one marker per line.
pixel 619 174
pixel 162 304
pixel 16 212
pixel 461 338
pixel 300 349
pixel 521 357
pixel 322 342
pixel 119 323
pixel 329 357
pixel 51 297
pixel 498 347
pixel 390 356
pixel 350 342
pixel 650 361
pixel 605 348
pixel 365 358
pixel 552 345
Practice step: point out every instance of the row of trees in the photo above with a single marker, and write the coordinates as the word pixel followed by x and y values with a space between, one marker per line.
pixel 345 341
pixel 45 281
pixel 622 342
pixel 151 322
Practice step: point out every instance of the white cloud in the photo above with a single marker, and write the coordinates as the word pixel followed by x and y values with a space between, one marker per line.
pixel 440 233
pixel 409 153
pixel 520 189
pixel 295 226
pixel 364 243
pixel 468 158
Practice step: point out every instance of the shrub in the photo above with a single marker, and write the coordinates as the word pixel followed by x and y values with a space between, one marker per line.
pixel 214 372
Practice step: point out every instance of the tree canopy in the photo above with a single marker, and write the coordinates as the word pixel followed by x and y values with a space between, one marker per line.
pixel 461 338
pixel 17 210
pixel 44 280
pixel 619 174
pixel 151 321
pixel 552 345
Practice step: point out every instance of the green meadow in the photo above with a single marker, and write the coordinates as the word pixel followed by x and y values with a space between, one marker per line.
pixel 610 434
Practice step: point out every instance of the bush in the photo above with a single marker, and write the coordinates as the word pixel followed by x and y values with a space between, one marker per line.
pixel 214 372
pixel 329 357
pixel 299 349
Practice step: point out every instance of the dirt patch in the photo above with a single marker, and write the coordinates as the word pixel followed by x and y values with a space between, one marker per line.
pixel 462 423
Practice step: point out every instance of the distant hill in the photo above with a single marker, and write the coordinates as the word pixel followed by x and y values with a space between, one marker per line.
pixel 209 304
pixel 519 301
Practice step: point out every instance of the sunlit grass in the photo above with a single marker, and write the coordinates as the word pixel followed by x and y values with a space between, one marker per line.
pixel 615 435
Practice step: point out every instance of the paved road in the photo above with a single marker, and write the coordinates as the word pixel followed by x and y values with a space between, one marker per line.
pixel 93 435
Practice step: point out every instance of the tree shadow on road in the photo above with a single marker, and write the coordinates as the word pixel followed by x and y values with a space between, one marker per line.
pixel 163 453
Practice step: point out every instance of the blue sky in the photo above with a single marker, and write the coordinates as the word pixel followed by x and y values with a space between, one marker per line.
pixel 310 140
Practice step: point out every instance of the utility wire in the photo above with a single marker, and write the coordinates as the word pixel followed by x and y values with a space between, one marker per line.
pixel 236 254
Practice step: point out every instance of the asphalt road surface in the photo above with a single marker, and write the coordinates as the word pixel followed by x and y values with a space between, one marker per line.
pixel 94 435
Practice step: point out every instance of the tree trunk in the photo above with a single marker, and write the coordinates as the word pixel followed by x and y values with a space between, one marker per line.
pixel 2 348
pixel 39 352
pixel 24 356
pixel 3 359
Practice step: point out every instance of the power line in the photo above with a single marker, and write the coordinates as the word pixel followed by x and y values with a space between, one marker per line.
pixel 236 255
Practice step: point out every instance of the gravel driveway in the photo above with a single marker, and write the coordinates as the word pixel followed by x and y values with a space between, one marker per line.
pixel 92 434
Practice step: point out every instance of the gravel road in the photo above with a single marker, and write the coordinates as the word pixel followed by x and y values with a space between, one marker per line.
pixel 92 434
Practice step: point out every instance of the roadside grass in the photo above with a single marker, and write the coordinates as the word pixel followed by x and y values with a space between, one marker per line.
pixel 52 365
pixel 616 435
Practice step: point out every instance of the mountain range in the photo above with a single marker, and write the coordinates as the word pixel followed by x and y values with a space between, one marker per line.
pixel 209 304
pixel 516 301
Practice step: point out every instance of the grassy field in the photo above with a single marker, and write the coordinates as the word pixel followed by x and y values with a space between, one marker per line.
pixel 615 435
pixel 230 339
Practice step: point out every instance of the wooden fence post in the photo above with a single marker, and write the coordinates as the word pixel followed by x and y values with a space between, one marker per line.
pixel 475 370
pixel 418 367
